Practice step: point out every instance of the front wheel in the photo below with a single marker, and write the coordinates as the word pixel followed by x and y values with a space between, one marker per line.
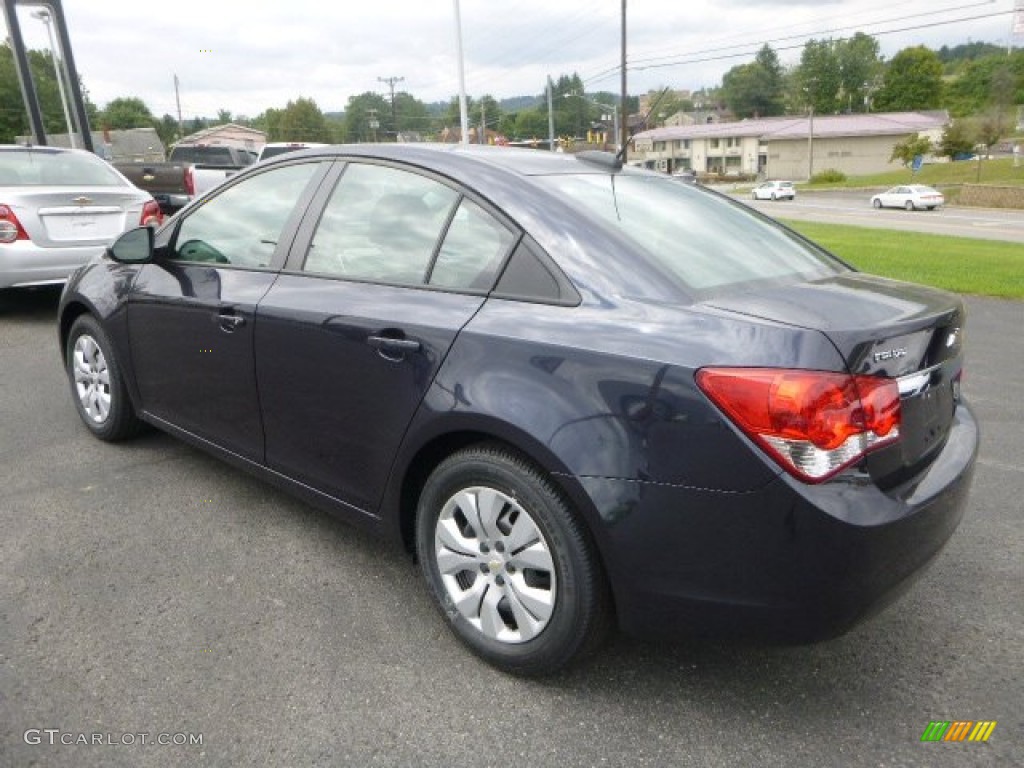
pixel 910 205
pixel 509 564
pixel 877 203
pixel 96 382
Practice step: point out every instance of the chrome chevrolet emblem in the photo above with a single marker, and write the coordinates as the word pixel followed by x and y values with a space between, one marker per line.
pixel 82 200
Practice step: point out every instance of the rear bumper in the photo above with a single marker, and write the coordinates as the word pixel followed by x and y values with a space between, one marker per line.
pixel 788 561
pixel 25 263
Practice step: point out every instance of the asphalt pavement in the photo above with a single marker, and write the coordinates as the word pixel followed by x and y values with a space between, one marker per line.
pixel 150 593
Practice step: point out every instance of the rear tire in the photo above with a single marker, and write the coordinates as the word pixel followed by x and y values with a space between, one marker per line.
pixel 509 564
pixel 97 385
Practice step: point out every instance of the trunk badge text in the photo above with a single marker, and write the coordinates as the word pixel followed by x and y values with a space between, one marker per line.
pixel 891 354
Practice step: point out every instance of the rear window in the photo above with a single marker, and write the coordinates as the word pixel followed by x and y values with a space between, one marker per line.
pixel 46 168
pixel 220 156
pixel 708 244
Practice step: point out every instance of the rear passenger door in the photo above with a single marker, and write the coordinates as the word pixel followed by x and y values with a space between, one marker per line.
pixel 350 337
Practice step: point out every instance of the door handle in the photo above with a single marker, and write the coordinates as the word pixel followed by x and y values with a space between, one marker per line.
pixel 229 323
pixel 391 347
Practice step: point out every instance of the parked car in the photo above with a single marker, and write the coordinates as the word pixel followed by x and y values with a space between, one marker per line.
pixel 275 148
pixel 913 197
pixel 510 363
pixel 191 170
pixel 686 175
pixel 774 190
pixel 59 208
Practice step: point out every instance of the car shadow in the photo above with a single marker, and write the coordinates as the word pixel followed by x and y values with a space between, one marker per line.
pixel 30 303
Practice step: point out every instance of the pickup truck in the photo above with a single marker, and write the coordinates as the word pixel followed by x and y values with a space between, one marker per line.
pixel 190 171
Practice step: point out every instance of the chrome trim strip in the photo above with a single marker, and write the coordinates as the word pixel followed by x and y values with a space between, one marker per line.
pixel 916 383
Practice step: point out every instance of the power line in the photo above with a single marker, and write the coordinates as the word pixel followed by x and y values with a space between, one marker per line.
pixel 699 57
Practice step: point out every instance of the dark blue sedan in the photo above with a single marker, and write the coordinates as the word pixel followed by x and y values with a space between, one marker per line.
pixel 583 395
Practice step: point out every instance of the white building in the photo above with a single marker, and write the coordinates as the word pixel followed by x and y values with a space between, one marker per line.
pixel 786 147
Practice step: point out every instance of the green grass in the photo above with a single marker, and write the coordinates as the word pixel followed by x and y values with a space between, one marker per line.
pixel 1000 171
pixel 959 264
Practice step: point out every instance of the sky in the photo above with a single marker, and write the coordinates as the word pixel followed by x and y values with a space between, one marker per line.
pixel 247 56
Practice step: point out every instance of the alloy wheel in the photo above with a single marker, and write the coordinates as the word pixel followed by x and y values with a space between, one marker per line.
pixel 92 378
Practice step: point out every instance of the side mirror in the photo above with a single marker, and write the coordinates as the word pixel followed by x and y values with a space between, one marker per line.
pixel 133 247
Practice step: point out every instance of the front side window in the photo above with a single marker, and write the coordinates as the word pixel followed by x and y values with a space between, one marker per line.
pixel 242 225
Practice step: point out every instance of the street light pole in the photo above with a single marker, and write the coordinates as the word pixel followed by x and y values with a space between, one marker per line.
pixel 44 16
pixel 463 111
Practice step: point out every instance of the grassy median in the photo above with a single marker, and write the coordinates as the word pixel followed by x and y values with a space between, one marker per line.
pixel 959 264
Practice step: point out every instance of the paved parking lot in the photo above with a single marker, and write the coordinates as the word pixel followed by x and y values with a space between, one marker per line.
pixel 148 589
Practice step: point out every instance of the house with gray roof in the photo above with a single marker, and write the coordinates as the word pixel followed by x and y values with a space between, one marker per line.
pixel 794 147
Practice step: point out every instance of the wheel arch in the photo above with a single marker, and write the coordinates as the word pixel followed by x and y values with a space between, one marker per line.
pixel 418 461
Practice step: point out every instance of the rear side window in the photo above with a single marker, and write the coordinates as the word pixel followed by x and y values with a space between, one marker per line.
pixel 388 225
pixel 707 244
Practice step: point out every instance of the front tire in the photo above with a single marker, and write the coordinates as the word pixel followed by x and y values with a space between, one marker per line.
pixel 877 203
pixel 910 205
pixel 97 385
pixel 508 563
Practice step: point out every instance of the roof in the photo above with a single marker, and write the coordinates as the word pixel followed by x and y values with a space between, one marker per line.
pixel 213 130
pixel 798 127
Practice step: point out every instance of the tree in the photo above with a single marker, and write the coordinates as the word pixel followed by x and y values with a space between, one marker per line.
pixel 906 150
pixel 223 117
pixel 302 120
pixel 412 113
pixel 913 80
pixel 819 76
pixel 859 64
pixel 127 112
pixel 756 89
pixel 167 130
pixel 957 140
pixel 13 114
pixel 361 112
pixel 531 124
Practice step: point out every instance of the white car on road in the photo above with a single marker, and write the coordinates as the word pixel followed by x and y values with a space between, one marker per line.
pixel 913 197
pixel 775 190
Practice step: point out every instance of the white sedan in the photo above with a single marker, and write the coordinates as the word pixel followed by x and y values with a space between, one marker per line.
pixel 774 190
pixel 913 197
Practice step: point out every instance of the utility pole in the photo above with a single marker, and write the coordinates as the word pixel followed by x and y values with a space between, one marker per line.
pixel 177 99
pixel 551 117
pixel 624 96
pixel 392 81
pixel 463 111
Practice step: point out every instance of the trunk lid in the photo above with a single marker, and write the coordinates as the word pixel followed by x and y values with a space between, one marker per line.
pixel 887 328
pixel 79 217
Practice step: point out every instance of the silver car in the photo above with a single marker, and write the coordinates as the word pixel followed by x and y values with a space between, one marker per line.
pixel 59 208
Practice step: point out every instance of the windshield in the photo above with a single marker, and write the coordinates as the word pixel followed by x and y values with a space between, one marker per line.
pixel 700 239
pixel 49 168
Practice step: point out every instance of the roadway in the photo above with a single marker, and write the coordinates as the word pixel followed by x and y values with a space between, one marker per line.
pixel 854 208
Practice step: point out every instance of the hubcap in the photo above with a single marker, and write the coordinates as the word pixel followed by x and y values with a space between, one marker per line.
pixel 495 564
pixel 92 378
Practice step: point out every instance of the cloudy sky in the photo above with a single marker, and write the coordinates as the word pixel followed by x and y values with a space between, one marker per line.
pixel 247 56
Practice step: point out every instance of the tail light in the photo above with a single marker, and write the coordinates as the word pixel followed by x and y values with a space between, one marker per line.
pixel 151 214
pixel 190 181
pixel 813 423
pixel 10 227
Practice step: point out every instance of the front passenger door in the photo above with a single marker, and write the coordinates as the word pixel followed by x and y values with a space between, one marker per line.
pixel 191 311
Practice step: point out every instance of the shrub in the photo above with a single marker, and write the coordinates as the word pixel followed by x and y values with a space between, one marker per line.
pixel 829 176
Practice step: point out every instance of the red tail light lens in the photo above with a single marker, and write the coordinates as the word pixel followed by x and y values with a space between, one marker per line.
pixel 151 214
pixel 10 227
pixel 813 423
pixel 190 181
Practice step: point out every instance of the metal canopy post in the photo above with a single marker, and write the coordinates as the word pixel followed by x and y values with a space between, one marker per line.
pixel 21 65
